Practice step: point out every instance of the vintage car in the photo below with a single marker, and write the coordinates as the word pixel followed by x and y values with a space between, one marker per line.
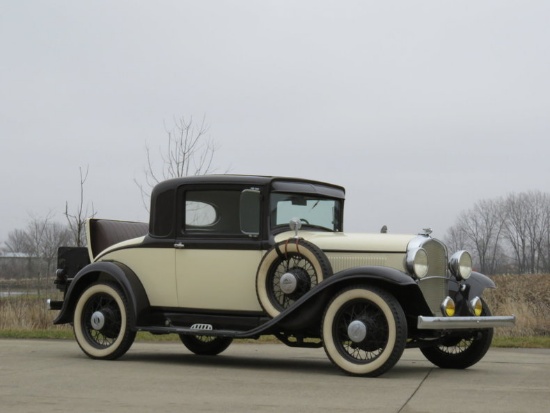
pixel 229 256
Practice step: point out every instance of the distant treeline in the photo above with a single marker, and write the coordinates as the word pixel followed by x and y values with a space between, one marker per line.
pixel 509 235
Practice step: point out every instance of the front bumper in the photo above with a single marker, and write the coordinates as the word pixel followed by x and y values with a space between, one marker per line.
pixel 454 323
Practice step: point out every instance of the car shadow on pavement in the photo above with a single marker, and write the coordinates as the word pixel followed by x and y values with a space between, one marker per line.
pixel 317 364
pixel 313 366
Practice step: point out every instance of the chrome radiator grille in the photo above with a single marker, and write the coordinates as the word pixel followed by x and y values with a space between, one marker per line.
pixel 434 286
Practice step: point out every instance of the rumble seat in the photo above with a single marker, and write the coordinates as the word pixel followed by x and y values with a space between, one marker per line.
pixel 104 232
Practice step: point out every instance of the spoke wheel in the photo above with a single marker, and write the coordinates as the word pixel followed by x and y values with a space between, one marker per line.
pixel 288 271
pixel 364 331
pixel 205 345
pixel 294 271
pixel 460 352
pixel 101 322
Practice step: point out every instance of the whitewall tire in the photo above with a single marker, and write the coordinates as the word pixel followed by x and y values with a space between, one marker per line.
pixel 287 272
pixel 364 331
pixel 101 322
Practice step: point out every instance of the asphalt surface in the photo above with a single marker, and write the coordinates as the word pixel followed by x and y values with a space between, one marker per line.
pixel 55 376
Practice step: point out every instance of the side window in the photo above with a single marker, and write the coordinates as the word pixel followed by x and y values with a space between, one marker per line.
pixel 250 212
pixel 199 214
pixel 212 213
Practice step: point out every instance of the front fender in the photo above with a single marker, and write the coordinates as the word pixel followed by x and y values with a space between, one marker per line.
pixel 477 283
pixel 108 270
pixel 308 310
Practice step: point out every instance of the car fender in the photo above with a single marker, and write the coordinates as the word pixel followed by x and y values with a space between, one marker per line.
pixel 478 283
pixel 308 310
pixel 107 271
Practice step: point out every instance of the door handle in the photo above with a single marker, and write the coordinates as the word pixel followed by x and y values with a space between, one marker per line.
pixel 179 245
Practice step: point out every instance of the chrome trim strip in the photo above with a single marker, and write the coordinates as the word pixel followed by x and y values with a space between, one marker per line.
pixel 452 323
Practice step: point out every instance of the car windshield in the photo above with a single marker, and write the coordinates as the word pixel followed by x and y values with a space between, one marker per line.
pixel 313 211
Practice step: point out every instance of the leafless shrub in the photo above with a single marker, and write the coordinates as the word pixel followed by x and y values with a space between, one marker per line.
pixel 25 312
pixel 526 296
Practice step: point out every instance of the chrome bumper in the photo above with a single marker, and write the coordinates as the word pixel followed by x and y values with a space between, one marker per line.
pixel 453 323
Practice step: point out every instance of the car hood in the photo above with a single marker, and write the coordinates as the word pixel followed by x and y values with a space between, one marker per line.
pixel 339 241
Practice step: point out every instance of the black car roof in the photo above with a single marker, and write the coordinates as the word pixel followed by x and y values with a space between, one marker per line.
pixel 281 184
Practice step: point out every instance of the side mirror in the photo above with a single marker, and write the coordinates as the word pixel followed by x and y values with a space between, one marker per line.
pixel 250 212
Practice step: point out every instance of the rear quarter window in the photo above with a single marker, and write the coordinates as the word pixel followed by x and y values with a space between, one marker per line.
pixel 162 223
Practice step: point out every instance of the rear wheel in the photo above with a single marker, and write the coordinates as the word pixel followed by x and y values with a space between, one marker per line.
pixel 101 322
pixel 205 345
pixel 364 331
pixel 461 351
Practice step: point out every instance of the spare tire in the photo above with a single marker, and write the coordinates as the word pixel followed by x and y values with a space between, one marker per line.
pixel 287 271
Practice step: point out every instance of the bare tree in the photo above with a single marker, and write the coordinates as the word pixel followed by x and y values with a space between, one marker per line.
pixel 17 242
pixel 188 152
pixel 77 219
pixel 18 264
pixel 480 231
pixel 511 233
pixel 527 229
pixel 456 238
pixel 485 229
pixel 39 243
pixel 544 247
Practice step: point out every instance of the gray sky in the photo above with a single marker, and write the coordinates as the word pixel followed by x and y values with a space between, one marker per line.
pixel 418 108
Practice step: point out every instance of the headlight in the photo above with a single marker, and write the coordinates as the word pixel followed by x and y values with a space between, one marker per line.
pixel 417 262
pixel 448 307
pixel 460 265
pixel 476 306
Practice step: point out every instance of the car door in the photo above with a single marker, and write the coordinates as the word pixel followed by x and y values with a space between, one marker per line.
pixel 216 262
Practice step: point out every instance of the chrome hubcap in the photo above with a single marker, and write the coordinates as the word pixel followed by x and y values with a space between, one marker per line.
pixel 357 331
pixel 288 283
pixel 98 320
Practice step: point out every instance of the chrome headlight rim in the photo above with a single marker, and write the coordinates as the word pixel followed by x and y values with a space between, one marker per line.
pixel 460 265
pixel 417 262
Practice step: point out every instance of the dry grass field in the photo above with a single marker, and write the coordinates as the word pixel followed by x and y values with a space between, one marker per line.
pixel 526 296
pixel 26 312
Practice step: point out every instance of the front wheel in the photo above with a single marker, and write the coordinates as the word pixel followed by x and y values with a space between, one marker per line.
pixel 101 322
pixel 364 331
pixel 461 351
pixel 205 345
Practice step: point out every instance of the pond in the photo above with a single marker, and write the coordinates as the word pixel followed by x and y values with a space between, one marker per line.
pixel 11 293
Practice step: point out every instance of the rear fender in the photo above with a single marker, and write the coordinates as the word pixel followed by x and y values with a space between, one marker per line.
pixel 107 271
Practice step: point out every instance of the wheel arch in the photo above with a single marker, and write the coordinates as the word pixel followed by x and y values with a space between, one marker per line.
pixel 307 312
pixel 112 271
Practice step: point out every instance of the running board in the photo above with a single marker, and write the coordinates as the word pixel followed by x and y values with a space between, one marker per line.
pixel 200 332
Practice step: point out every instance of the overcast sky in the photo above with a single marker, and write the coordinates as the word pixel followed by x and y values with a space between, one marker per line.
pixel 418 108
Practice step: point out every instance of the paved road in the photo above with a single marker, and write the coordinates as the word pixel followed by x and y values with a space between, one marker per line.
pixel 54 376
